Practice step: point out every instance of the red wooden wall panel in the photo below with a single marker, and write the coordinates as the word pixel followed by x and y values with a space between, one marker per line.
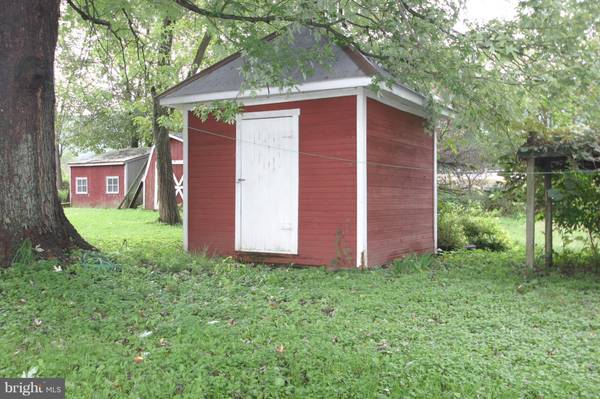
pixel 149 183
pixel 400 199
pixel 96 196
pixel 327 188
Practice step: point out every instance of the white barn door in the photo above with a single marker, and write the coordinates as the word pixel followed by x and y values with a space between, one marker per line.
pixel 267 182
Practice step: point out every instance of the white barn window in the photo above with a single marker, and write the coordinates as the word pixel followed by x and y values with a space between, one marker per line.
pixel 81 185
pixel 112 185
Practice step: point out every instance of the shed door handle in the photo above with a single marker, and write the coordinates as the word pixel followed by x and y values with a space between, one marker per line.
pixel 240 180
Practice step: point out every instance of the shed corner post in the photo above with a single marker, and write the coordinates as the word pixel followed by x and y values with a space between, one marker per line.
pixel 530 213
pixel 362 260
pixel 186 167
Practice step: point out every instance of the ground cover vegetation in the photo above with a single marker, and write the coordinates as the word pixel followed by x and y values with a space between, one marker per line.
pixel 170 324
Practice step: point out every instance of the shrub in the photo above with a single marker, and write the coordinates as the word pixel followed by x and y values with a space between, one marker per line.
pixel 459 226
pixel 577 207
pixel 451 234
pixel 485 233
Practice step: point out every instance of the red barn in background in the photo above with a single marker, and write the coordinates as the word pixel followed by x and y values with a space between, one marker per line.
pixel 150 193
pixel 332 173
pixel 103 180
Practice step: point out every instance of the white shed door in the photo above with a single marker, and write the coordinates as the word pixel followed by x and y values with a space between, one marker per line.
pixel 267 182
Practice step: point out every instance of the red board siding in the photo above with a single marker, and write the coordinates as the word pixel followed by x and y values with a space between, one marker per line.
pixel 399 201
pixel 149 183
pixel 96 196
pixel 327 191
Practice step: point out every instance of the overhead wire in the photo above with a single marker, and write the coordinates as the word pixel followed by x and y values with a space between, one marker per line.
pixel 379 164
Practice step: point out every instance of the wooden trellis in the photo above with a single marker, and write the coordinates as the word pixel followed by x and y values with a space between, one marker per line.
pixel 545 158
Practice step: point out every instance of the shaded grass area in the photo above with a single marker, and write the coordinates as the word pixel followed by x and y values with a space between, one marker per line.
pixel 468 325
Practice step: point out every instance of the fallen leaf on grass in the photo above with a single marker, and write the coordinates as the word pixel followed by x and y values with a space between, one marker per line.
pixel 280 349
pixel 138 359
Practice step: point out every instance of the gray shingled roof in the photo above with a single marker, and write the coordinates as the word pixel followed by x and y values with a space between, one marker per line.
pixel 116 156
pixel 226 75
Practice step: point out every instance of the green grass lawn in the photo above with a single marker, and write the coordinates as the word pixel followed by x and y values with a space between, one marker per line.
pixel 515 227
pixel 470 325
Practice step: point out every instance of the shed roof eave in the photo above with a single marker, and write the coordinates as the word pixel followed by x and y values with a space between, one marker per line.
pixel 106 163
pixel 84 163
pixel 396 90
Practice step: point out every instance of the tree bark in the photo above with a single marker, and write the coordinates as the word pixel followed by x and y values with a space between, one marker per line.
pixel 167 199
pixel 29 204
pixel 57 155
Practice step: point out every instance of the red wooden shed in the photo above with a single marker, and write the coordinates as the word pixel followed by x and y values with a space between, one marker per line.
pixel 150 182
pixel 332 173
pixel 103 180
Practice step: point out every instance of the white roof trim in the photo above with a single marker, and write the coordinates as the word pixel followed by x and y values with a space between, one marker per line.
pixel 404 93
pixel 393 100
pixel 83 163
pixel 176 138
pixel 92 163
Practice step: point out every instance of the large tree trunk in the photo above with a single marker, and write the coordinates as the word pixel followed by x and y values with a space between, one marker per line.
pixel 29 204
pixel 167 198
pixel 59 179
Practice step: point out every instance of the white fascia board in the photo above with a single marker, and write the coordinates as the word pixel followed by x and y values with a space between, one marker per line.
pixel 395 96
pixel 284 98
pixel 237 95
pixel 80 164
pixel 393 100
pixel 407 94
pixel 176 138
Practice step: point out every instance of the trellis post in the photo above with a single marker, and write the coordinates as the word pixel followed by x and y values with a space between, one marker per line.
pixel 548 217
pixel 530 213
